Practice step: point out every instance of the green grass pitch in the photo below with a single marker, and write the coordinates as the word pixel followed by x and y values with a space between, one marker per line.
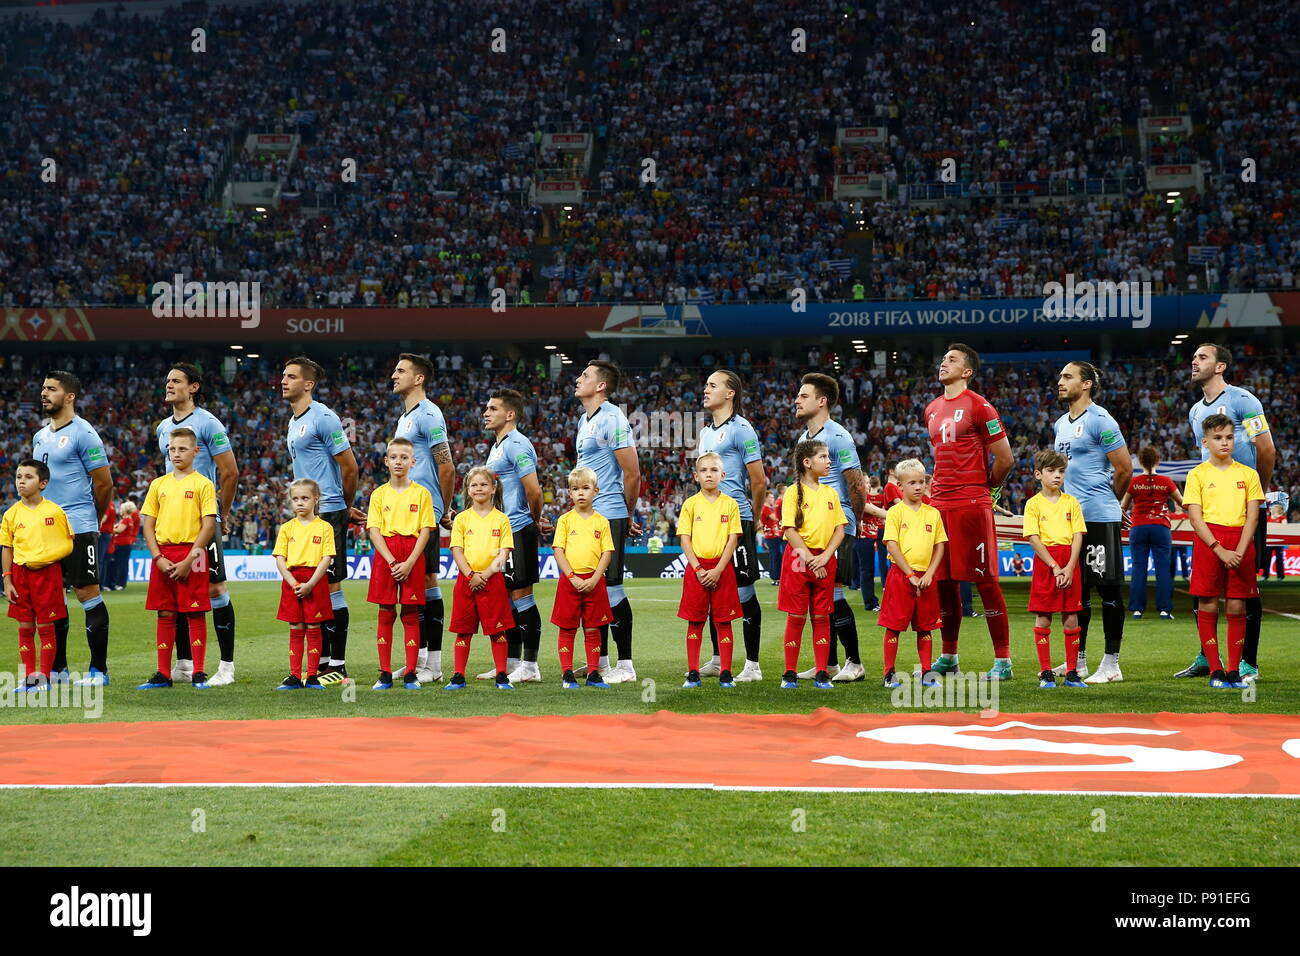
pixel 252 826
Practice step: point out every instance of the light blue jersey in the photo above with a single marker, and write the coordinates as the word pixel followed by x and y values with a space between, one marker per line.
pixel 737 442
pixel 72 452
pixel 426 428
pixel 314 438
pixel 844 457
pixel 213 440
pixel 512 459
pixel 1247 416
pixel 1085 442
pixel 599 436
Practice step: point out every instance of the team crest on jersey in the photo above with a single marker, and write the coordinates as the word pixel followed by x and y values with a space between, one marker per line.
pixel 302 430
pixel 957 415
pixel 1078 430
pixel 1221 410
pixel 48 521
pixel 63 441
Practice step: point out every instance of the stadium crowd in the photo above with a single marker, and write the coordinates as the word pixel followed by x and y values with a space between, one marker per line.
pixel 880 407
pixel 741 127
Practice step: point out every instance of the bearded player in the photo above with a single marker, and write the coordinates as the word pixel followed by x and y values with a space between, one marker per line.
pixel 964 430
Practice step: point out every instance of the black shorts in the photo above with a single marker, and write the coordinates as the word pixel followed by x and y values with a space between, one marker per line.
pixel 1102 557
pixel 338 521
pixel 844 562
pixel 614 574
pixel 748 570
pixel 217 557
pixel 521 570
pixel 1261 540
pixel 81 567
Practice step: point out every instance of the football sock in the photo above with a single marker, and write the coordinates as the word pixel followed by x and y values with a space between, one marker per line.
pixel 591 639
pixel 313 649
pixel 198 626
pixel 223 622
pixel 297 634
pixel 500 652
pixel 528 620
pixel 45 647
pixel 166 638
pixel 1112 616
pixel 461 652
pixel 431 625
pixel 339 639
pixel 1071 648
pixel 995 613
pixel 384 638
pixel 713 636
pixel 567 635
pixel 1207 628
pixel 604 641
pixel 891 649
pixel 726 645
pixel 621 629
pixel 821 629
pixel 514 642
pixel 793 638
pixel 27 648
pixel 949 615
pixel 60 644
pixel 411 615
pixel 182 641
pixel 694 638
pixel 1237 625
pixel 97 632
pixel 846 627
pixel 925 650
pixel 1085 615
pixel 752 625
pixel 1043 645
pixel 1254 620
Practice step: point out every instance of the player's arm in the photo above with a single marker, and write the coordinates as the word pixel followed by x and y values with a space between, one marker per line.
pixel 207 527
pixel 458 555
pixel 896 555
pixel 688 551
pixel 282 566
pixel 407 566
pixel 446 480
pixel 533 495
pixel 1252 522
pixel 1265 458
pixel 101 480
pixel 1122 462
pixel 631 465
pixel 1125 501
pixel 1178 500
pixel 1003 461
pixel 7 566
pixel 381 547
pixel 348 473
pixel 729 551
pixel 856 483
pixel 935 559
pixel 1202 531
pixel 227 479
pixel 1041 552
pixel 757 485
pixel 562 562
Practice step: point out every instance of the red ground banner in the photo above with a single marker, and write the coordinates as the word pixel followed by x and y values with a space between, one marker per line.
pixel 1203 754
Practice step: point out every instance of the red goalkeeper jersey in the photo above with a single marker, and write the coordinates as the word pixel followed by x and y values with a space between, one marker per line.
pixel 961 431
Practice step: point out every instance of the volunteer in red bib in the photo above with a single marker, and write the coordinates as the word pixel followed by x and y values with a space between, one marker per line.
pixel 1149 536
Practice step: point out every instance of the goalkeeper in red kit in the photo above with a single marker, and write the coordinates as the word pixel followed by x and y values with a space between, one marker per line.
pixel 965 430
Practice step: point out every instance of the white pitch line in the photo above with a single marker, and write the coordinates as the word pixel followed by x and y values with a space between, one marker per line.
pixel 655 786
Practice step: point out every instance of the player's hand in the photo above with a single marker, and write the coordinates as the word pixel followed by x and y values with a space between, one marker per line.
pixel 448 517
pixel 476 582
pixel 400 570
pixel 819 573
pixel 179 572
pixel 164 565
pixel 815 562
pixel 926 580
pixel 545 525
pixel 1231 558
pixel 711 577
pixel 634 528
pixel 11 592
pixel 357 516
